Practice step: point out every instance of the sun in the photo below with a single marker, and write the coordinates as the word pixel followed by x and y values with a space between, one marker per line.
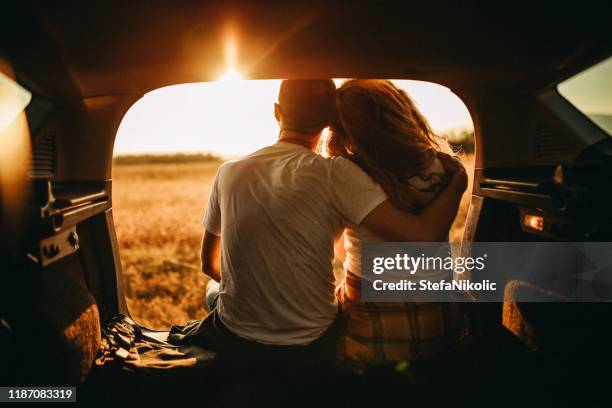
pixel 231 75
pixel 231 57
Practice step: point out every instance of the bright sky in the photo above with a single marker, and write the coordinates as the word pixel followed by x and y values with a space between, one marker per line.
pixel 232 117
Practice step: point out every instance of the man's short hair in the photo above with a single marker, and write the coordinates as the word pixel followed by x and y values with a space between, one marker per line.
pixel 306 105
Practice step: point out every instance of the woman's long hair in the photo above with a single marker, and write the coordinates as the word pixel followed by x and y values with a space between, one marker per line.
pixel 380 128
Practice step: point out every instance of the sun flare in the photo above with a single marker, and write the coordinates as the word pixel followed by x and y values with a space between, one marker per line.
pixel 231 75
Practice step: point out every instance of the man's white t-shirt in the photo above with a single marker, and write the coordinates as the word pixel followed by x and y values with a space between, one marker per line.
pixel 278 212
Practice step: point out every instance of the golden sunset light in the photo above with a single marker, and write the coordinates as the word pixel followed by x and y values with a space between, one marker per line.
pixel 305 203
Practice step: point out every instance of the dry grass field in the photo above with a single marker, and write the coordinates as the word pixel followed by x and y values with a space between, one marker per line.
pixel 158 208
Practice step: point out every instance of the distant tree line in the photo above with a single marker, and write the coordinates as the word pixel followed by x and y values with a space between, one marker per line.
pixel 462 141
pixel 166 158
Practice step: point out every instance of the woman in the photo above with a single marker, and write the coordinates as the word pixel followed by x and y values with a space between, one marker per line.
pixel 379 127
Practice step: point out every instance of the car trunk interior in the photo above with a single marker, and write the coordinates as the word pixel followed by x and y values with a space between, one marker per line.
pixel 86 64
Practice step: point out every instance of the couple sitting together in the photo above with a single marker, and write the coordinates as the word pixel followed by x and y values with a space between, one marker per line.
pixel 273 217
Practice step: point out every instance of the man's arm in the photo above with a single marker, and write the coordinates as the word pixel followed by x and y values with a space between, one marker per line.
pixel 210 255
pixel 433 224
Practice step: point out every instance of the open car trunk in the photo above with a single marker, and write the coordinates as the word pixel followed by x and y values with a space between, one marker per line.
pixel 85 65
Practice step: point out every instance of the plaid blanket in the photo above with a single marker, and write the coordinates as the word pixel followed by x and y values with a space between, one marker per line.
pixel 394 331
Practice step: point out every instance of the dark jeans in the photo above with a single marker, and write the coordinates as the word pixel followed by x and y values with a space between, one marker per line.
pixel 241 351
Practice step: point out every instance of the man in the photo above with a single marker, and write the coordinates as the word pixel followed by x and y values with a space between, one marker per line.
pixel 271 222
